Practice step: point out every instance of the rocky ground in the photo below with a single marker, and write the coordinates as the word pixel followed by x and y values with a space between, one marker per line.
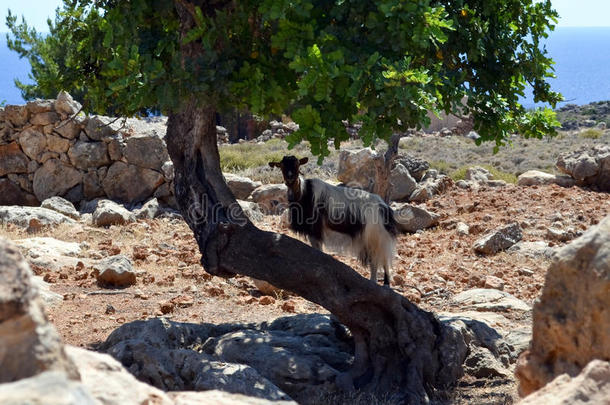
pixel 432 268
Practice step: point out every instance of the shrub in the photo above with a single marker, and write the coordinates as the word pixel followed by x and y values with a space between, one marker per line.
pixel 460 174
pixel 591 133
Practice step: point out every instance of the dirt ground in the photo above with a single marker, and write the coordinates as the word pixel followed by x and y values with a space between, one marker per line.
pixel 431 266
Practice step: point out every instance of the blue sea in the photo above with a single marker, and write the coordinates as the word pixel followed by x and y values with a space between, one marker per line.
pixel 582 57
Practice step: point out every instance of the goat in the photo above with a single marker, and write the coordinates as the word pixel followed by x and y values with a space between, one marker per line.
pixel 317 208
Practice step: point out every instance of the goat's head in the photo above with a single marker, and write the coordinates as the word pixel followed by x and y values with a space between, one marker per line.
pixel 289 165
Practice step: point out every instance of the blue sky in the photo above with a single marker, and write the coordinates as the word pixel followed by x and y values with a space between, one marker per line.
pixel 574 13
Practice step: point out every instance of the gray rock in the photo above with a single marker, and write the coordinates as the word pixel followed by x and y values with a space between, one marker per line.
pixel 357 168
pixel 12 194
pixel 271 198
pixel 481 299
pixel 538 178
pixel 21 216
pixel 30 344
pixel 54 178
pixel 56 143
pixel 499 239
pixel 462 229
pixel 241 187
pixel 535 249
pixel 411 218
pixel 62 206
pixel 16 115
pixel 84 155
pixel 149 210
pixel 146 150
pixel 481 363
pixel 252 210
pixel 33 143
pixel 478 174
pixel 116 271
pixel 100 127
pixel 168 170
pixel 401 183
pixel 432 184
pixel 589 166
pixel 39 106
pixel 12 160
pixel 44 118
pixel 129 183
pixel 49 298
pixel 416 167
pixel 65 104
pixel 47 388
pixel 46 246
pixel 92 186
pixel 109 213
pixel 69 129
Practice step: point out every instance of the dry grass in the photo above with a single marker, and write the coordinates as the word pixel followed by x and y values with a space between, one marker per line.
pixel 591 134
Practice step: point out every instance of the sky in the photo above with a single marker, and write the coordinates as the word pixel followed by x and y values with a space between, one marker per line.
pixel 574 13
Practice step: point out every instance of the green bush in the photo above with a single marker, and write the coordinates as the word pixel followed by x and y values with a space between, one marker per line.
pixel 460 174
pixel 591 133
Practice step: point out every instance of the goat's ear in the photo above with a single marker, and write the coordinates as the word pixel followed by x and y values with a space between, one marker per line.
pixel 274 164
pixel 303 161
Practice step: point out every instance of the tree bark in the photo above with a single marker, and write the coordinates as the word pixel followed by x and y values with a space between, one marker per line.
pixel 398 347
pixel 383 165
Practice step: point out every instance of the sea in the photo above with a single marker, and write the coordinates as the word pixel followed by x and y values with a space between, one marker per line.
pixel 581 55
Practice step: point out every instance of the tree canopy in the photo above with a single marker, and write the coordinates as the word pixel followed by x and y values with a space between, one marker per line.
pixel 385 63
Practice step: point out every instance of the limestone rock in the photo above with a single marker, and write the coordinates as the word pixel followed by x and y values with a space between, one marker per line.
pixel 271 198
pixel 538 178
pixel 591 386
pixel 417 167
pixel 241 187
pixel 16 115
pixel 432 184
pixel 478 174
pixel 401 183
pixel 252 210
pixel 116 271
pixel 100 127
pixel 499 239
pixel 411 218
pixel 69 129
pixel 44 246
pixel 358 169
pixel 39 106
pixel 33 143
pixel 84 155
pixel 62 206
pixel 149 210
pixel 30 344
pixel 54 178
pixel 589 166
pixel 65 104
pixel 12 160
pixel 533 249
pixel 21 216
pixel 146 150
pixel 92 186
pixel 47 388
pixel 217 397
pixel 48 297
pixel 12 194
pixel 110 213
pixel 44 118
pixel 129 183
pixel 571 317
pixel 56 143
pixel 481 299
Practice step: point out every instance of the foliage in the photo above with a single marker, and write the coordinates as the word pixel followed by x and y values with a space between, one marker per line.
pixel 385 63
pixel 460 173
pixel 591 133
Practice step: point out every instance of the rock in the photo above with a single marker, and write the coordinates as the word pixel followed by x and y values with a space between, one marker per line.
pixel 21 216
pixel 85 155
pixel 12 160
pixel 241 187
pixel 92 186
pixel 481 299
pixel 39 106
pixel 271 198
pixel 129 183
pixel 358 169
pixel 533 249
pixel 62 206
pixel 100 127
pixel 149 210
pixel 168 170
pixel 65 104
pixel 252 210
pixel 561 235
pixel 571 317
pixel 416 167
pixel 54 178
pixel 146 150
pixel 538 178
pixel 478 174
pixel 432 184
pixel 49 298
pixel 44 118
pixel 481 363
pixel 33 143
pixel 591 386
pixel 30 344
pixel 266 288
pixel 494 282
pixel 462 229
pixel 217 397
pixel 47 388
pixel 401 183
pixel 46 246
pixel 69 129
pixel 411 218
pixel 109 213
pixel 116 271
pixel 499 239
pixel 588 166
pixel 12 194
pixel 56 143
pixel 16 115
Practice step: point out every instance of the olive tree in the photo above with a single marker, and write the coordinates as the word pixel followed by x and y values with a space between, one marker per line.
pixel 384 63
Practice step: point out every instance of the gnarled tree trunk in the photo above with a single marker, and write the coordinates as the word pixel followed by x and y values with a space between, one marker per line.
pixel 398 347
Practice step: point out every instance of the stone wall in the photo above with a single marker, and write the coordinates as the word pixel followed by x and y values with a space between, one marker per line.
pixel 49 148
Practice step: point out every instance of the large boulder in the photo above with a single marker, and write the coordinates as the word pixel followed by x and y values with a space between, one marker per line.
pixel 33 143
pixel 55 178
pixel 84 155
pixel 62 206
pixel 433 183
pixel 12 159
pixel 357 168
pixel 411 218
pixel 65 104
pixel 271 198
pixel 100 127
pixel 129 183
pixel 22 216
pixel 146 150
pixel 30 345
pixel 109 213
pixel 571 318
pixel 241 187
pixel 116 271
pixel 538 178
pixel 588 166
pixel 491 300
pixel 417 167
pixel 499 239
pixel 401 183
pixel 12 194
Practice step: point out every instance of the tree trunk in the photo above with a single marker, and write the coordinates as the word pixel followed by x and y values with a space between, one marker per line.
pixel 383 165
pixel 398 347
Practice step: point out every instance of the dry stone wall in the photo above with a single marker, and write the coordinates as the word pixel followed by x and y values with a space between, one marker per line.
pixel 49 148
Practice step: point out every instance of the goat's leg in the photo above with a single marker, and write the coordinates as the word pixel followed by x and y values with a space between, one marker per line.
pixel 386 275
pixel 374 273
pixel 315 243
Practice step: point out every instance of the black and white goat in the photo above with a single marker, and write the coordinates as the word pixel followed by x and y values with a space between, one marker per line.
pixel 317 209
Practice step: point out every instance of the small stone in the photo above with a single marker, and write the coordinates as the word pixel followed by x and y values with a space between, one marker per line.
pixel 116 271
pixel 266 300
pixel 494 282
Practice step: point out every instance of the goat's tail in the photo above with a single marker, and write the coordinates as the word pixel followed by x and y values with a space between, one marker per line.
pixel 378 239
